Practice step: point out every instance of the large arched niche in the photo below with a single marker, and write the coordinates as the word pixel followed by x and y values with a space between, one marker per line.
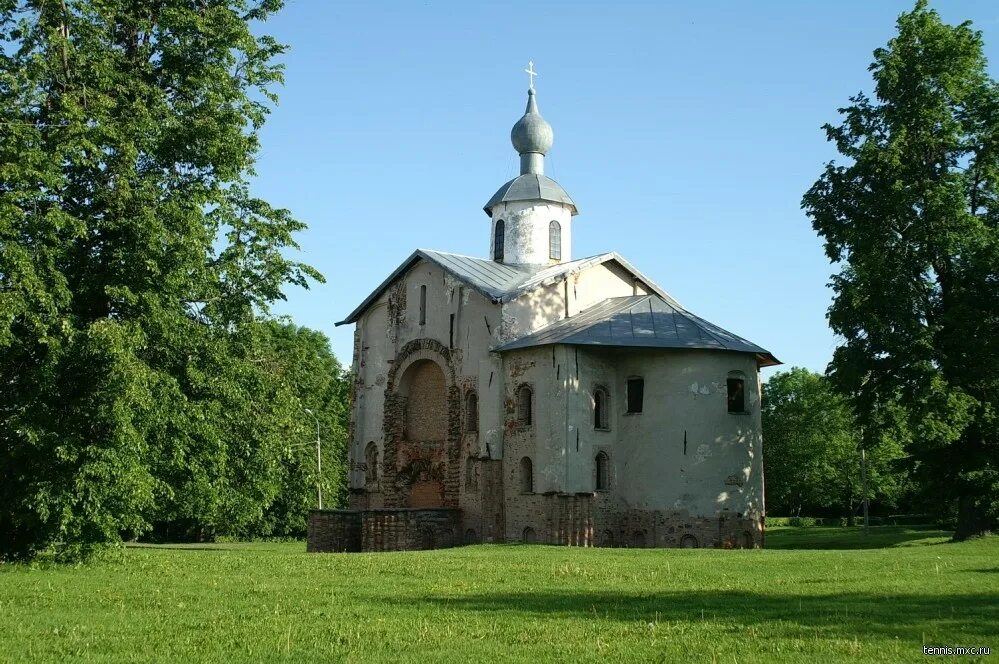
pixel 422 427
pixel 424 389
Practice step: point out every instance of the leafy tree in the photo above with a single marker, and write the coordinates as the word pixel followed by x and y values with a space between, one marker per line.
pixel 812 453
pixel 306 372
pixel 134 264
pixel 911 222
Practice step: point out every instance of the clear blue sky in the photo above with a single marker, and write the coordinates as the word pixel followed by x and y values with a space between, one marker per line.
pixel 685 131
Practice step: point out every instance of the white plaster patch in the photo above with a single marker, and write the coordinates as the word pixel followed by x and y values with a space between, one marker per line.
pixel 508 328
pixel 450 283
pixel 703 452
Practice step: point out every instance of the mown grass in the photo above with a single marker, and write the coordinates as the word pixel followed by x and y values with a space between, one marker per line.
pixel 875 598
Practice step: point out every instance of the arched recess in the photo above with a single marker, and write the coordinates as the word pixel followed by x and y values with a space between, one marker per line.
pixel 422 422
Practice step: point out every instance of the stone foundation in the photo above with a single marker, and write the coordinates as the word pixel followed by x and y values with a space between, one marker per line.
pixel 400 529
pixel 597 519
pixel 561 519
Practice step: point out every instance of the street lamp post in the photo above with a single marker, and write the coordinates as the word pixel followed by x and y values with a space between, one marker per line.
pixel 319 459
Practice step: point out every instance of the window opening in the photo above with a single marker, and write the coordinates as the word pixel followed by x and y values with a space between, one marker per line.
pixel 636 394
pixel 603 471
pixel 526 475
pixel 555 241
pixel 736 394
pixel 524 410
pixel 499 240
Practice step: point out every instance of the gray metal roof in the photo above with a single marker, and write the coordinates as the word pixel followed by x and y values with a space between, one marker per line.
pixel 645 321
pixel 500 282
pixel 530 187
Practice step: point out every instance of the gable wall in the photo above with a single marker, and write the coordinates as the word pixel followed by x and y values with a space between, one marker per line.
pixel 393 320
pixel 549 304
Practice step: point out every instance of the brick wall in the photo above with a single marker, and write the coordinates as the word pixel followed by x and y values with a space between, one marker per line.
pixel 426 403
pixel 334 531
pixel 383 530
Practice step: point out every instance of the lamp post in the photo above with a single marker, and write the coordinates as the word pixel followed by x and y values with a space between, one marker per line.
pixel 319 459
pixel 863 480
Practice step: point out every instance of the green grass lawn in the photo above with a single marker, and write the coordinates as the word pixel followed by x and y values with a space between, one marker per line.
pixel 819 594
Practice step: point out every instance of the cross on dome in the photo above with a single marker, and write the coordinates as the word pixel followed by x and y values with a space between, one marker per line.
pixel 530 72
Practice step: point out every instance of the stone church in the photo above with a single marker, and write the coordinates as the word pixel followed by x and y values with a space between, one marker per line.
pixel 536 397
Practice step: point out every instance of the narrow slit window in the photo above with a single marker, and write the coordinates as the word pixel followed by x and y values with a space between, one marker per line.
pixel 526 475
pixel 555 241
pixel 602 462
pixel 736 394
pixel 524 406
pixel 423 305
pixel 601 418
pixel 450 338
pixel 636 394
pixel 499 240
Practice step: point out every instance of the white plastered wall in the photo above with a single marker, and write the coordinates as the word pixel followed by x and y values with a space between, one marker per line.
pixel 526 235
pixel 721 465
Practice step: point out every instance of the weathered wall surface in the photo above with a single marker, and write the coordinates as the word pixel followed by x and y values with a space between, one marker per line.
pixel 458 318
pixel 685 451
pixel 527 231
pixel 684 466
pixel 543 441
pixel 707 493
pixel 415 414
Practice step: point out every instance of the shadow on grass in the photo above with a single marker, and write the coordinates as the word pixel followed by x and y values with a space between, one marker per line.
pixel 186 547
pixel 846 615
pixel 879 537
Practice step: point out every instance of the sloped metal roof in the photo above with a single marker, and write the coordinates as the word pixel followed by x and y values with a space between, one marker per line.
pixel 530 187
pixel 645 321
pixel 500 282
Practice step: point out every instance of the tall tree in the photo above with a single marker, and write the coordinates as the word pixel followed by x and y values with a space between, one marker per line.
pixel 912 221
pixel 812 453
pixel 133 259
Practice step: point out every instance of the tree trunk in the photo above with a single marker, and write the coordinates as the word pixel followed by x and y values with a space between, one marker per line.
pixel 972 521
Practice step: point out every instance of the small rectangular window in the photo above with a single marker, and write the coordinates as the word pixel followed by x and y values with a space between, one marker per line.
pixel 736 395
pixel 423 305
pixel 636 394
pixel 450 343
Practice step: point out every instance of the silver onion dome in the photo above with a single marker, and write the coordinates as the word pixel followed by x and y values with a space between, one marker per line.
pixel 532 134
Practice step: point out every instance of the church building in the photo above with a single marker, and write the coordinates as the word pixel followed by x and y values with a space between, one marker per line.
pixel 532 396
